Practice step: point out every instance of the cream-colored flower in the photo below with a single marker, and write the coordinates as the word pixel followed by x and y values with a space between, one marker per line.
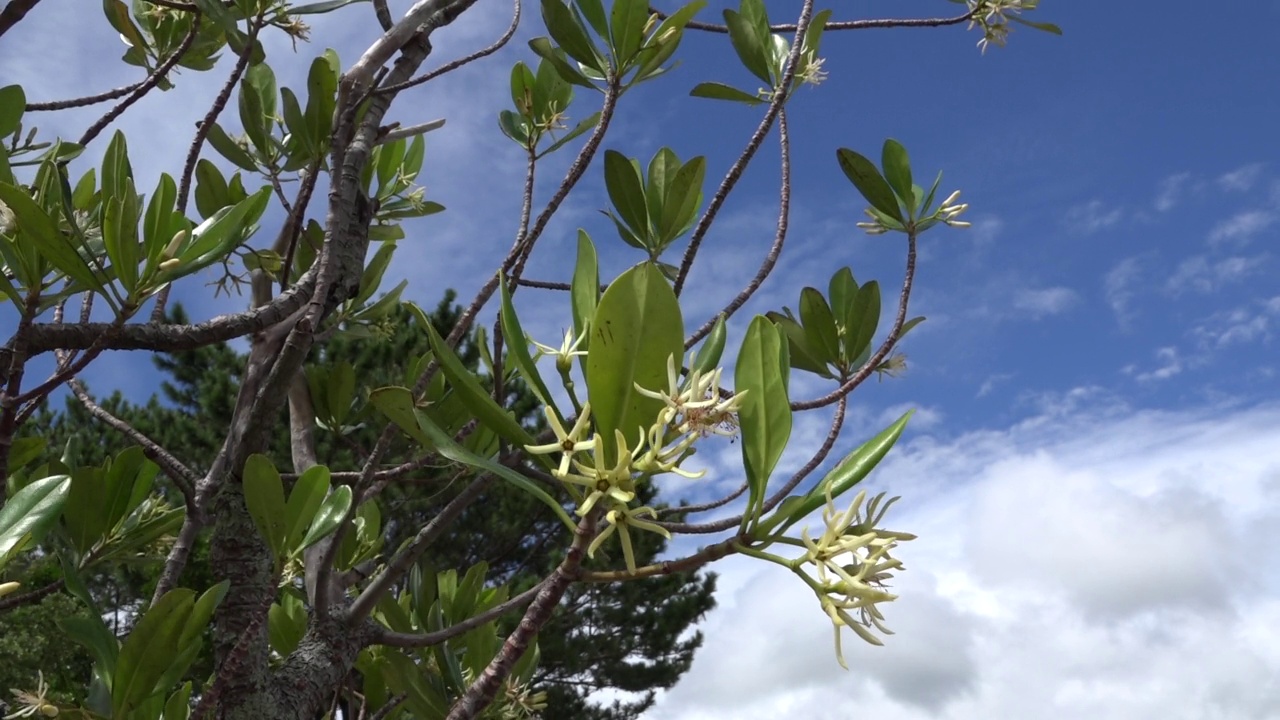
pixel 568 443
pixel 621 519
pixel 34 703
pixel 566 352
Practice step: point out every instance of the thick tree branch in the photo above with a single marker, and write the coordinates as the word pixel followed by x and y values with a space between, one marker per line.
pixel 13 12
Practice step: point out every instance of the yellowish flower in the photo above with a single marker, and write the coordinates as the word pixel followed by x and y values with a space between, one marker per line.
pixel 34 703
pixel 621 519
pixel 566 352
pixel 568 443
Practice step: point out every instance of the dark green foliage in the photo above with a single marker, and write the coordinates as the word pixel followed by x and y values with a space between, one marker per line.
pixel 633 637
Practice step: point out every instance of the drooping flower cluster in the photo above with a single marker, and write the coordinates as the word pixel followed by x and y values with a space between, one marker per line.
pixel 993 17
pixel 854 566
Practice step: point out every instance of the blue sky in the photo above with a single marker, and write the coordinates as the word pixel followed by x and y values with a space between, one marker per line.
pixel 1093 465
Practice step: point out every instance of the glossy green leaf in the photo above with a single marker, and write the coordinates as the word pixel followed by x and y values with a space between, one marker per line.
pixel 720 91
pixel 264 497
pixel 819 325
pixel 148 650
pixel 27 515
pixel 864 176
pixel 626 191
pixel 286 624
pixel 748 42
pixel 397 405
pixel 842 290
pixel 13 101
pixel 683 195
pixel 802 357
pixel 158 224
pixel 584 290
pixel 1043 26
pixel 626 28
pixel 847 473
pixel 908 325
pixel 178 706
pixel 543 47
pixel 230 149
pixel 518 345
pixel 638 327
pixel 764 416
pixel 897 170
pixel 468 388
pixel 570 35
pixel 308 494
pixel 328 517
pixel 321 7
pixel 215 238
pixel 258 106
pixel 712 349
pixel 48 240
pixel 593 12
pixel 861 321
pixel 665 39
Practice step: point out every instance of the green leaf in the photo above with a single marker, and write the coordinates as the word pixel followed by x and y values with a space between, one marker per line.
pixel 464 382
pixel 712 348
pixel 308 494
pixel 584 290
pixel 626 29
pixel 861 321
pixel 720 91
pixel 328 517
pixel 322 89
pixel 847 473
pixel 802 357
pixel 49 241
pixel 158 224
pixel 1044 26
pixel 637 328
pixel 864 176
pixel 341 390
pixel 683 195
pixel 519 348
pixel 258 107
pixel 230 149
pixel 148 651
pixel 27 515
pixel 897 170
pixel 396 403
pixel 215 238
pixel 264 497
pixel 570 35
pixel 764 415
pixel 13 101
pixel 842 290
pixel 626 192
pixel 819 325
pixel 178 706
pixel 321 7
pixel 303 145
pixel 749 43
pixel 543 47
pixel 593 11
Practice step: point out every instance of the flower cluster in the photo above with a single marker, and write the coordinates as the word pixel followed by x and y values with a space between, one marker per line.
pixel 854 566
pixel 993 17
pixel 692 409
pixel 946 214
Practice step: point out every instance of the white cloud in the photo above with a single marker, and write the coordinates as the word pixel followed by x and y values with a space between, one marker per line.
pixel 985 230
pixel 1118 285
pixel 1240 179
pixel 1045 301
pixel 1068 566
pixel 1239 325
pixel 1090 217
pixel 990 383
pixel 1170 365
pixel 1199 274
pixel 1171 191
pixel 1241 227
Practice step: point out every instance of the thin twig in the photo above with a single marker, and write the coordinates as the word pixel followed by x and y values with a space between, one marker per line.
pixel 28 598
pixel 775 250
pixel 84 101
pixel 780 95
pixel 703 507
pixel 144 87
pixel 454 65
pixel 13 12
